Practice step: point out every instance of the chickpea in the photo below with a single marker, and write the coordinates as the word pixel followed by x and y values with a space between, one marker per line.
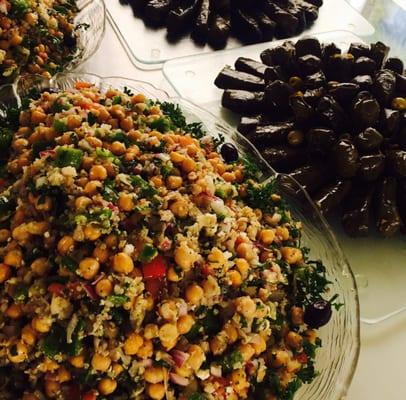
pixel 258 344
pixel 151 331
pixel 107 386
pixel 117 369
pixel 156 391
pixel 267 236
pixel 173 275
pixel 188 165
pixel 292 255
pixel 118 148
pixel 133 344
pixel 82 202
pixel 196 358
pixel 146 350
pixel 100 363
pixel 218 344
pixel 281 358
pixel 297 315
pixel 14 311
pixel 247 351
pixel 293 366
pixel 242 266
pixel 245 306
pixel 294 340
pixel 101 253
pixel 228 176
pixel 154 374
pixel 17 353
pixel 40 266
pixel 98 173
pixel 63 375
pixel 28 335
pixel 245 250
pixel 37 117
pixel 5 272
pixel 66 244
pixel 123 263
pixel 185 257
pixel 176 157
pixel 91 187
pixel 174 182
pixel 77 361
pixel 14 258
pixel 4 235
pixel 104 287
pixel 52 388
pixel 94 141
pixel 231 331
pixel 179 208
pixel 194 293
pixel 235 278
pixel 282 233
pixel 127 124
pixel 92 233
pixel 168 334
pixel 239 381
pixel 125 202
pixel 41 325
pixel 185 324
pixel 88 268
pixel 311 336
pixel 168 310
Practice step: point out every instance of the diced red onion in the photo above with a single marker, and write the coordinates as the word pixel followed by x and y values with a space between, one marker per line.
pixel 178 380
pixel 146 363
pixel 90 292
pixel 180 357
pixel 46 153
pixel 98 279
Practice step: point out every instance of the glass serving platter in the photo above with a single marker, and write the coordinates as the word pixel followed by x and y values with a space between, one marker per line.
pixel 379 264
pixel 154 49
pixel 338 357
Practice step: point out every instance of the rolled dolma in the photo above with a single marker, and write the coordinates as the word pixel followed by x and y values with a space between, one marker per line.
pixel 364 66
pixel 345 158
pixel 267 135
pixel 243 102
pixel 371 167
pixel 379 52
pixel 368 140
pixel 388 218
pixel 396 160
pixel 363 81
pixel 344 93
pixel 308 45
pixel 384 85
pixel 394 64
pixel 331 114
pixel 219 31
pixel 284 158
pixel 156 11
pixel 250 66
pixel 320 140
pixel 277 94
pixel 311 177
pixel 366 110
pixel 245 26
pixel 249 123
pixel 331 196
pixel 181 18
pixel 229 78
pixel 201 27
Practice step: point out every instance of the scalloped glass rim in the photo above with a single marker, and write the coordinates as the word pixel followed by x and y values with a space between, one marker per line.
pixel 338 357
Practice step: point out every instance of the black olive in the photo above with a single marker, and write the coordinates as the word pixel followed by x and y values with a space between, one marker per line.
pixel 69 40
pixel 229 152
pixel 308 46
pixel 394 64
pixel 318 314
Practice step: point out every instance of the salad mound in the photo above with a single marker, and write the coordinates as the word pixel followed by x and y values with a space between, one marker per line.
pixel 141 259
pixel 36 36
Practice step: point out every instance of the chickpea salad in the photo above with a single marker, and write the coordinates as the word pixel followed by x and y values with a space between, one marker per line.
pixel 36 36
pixel 140 259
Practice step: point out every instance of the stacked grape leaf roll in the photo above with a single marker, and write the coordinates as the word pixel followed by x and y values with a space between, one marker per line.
pixel 336 121
pixel 214 21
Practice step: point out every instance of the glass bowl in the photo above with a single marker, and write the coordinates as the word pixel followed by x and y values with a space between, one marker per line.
pixel 337 358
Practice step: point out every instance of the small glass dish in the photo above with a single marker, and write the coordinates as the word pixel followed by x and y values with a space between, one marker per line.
pixel 337 359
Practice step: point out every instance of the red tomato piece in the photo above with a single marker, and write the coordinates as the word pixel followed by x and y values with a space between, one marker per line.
pixel 56 288
pixel 154 286
pixel 302 358
pixel 155 268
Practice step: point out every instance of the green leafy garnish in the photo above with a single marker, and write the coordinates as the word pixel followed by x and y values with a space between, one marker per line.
pixel 118 299
pixel 66 156
pixel 231 361
pixel 147 253
pixel 69 263
pixel 60 126
pixel 146 190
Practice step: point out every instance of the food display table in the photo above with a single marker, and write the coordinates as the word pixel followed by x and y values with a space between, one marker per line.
pixel 375 262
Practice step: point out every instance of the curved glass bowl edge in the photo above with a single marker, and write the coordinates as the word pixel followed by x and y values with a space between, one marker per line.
pixel 338 357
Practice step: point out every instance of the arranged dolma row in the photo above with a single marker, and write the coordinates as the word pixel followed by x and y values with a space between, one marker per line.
pixel 214 21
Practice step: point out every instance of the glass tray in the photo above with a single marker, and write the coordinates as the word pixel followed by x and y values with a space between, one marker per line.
pixel 379 264
pixel 153 49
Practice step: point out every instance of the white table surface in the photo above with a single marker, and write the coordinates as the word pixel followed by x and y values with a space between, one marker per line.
pixel 381 369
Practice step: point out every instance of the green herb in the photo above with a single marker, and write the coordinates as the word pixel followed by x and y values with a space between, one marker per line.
pixel 251 169
pixel 178 120
pixel 291 389
pixel 259 196
pixel 118 299
pixel 19 6
pixel 120 136
pixel 60 126
pixel 69 263
pixel 161 124
pixel 217 142
pixel 91 118
pixel 41 145
pixel 20 293
pixel 76 346
pixel 66 156
pixel 53 343
pixel 109 192
pixel 119 316
pixel 116 100
pixel 196 396
pixel 162 363
pixel 146 190
pixel 194 333
pixel 166 169
pixel 147 253
pixel 231 361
